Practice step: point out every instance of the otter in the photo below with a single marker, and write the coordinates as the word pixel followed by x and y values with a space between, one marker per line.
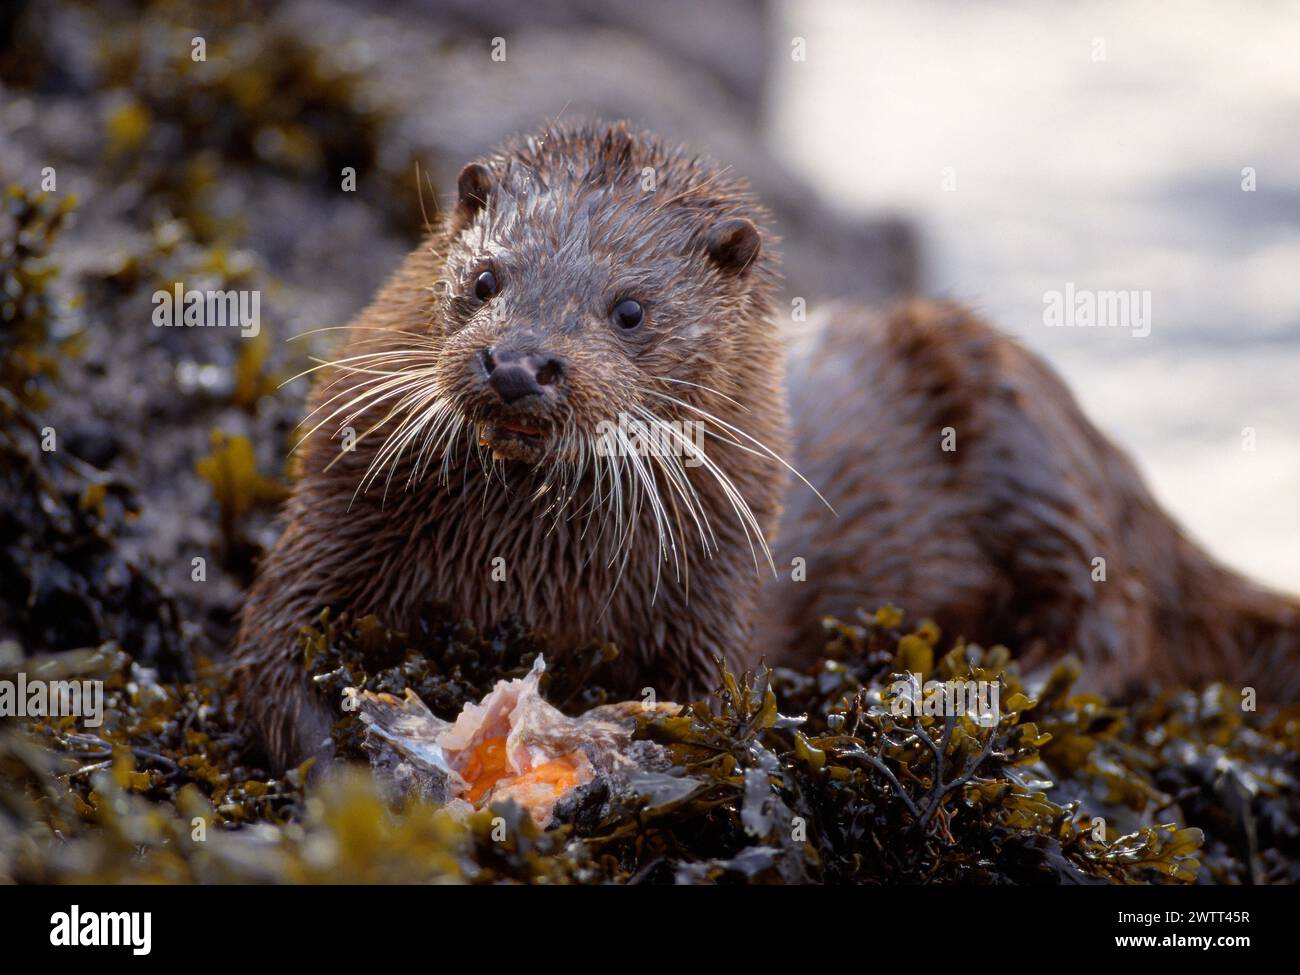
pixel 568 405
pixel 591 291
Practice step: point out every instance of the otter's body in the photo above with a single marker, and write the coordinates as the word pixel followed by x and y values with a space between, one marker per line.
pixel 968 486
pixel 591 275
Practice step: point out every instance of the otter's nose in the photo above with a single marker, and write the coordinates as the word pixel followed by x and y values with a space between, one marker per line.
pixel 515 375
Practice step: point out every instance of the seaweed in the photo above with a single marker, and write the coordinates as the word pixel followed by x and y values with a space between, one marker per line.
pixel 30 309
pixel 848 790
pixel 259 95
pixel 68 581
pixel 231 471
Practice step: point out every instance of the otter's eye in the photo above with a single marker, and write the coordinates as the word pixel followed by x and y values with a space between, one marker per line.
pixel 485 286
pixel 628 313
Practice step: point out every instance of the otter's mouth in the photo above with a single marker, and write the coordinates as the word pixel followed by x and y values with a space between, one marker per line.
pixel 514 440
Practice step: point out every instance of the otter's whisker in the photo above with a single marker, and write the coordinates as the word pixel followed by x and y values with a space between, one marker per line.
pixel 379 386
pixel 417 417
pixel 662 528
pixel 767 451
pixel 707 389
pixel 391 355
pixel 412 390
pixel 399 388
pixel 681 484
pixel 738 502
pixel 359 328
pixel 441 415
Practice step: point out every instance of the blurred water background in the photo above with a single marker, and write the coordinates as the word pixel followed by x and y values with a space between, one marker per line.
pixel 1122 173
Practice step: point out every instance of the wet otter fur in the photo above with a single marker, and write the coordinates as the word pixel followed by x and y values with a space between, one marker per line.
pixel 474 408
pixel 995 538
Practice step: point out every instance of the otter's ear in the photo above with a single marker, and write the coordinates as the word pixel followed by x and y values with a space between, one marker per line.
pixel 734 244
pixel 473 186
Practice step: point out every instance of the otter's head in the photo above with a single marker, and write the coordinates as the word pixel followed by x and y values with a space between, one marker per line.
pixel 602 324
pixel 591 274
